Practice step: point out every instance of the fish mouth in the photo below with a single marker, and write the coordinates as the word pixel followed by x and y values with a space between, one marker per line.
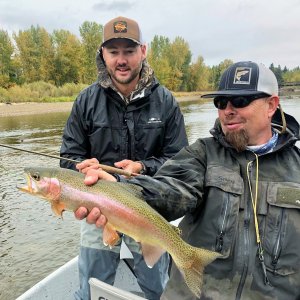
pixel 30 188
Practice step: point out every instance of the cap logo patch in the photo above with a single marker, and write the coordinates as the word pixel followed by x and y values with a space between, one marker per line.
pixel 242 75
pixel 120 26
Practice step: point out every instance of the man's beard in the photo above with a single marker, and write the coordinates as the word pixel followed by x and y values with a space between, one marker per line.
pixel 134 74
pixel 238 140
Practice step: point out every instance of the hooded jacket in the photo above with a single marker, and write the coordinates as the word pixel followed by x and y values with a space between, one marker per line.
pixel 148 127
pixel 208 183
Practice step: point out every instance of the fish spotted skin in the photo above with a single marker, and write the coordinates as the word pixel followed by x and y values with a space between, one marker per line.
pixel 126 212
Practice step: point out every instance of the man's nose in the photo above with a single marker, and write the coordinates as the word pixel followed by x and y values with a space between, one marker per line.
pixel 122 59
pixel 229 109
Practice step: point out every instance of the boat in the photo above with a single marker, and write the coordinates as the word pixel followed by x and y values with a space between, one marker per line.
pixel 64 281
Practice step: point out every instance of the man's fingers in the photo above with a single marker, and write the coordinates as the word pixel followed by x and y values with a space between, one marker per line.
pixel 123 163
pixel 93 215
pixel 101 221
pixel 91 177
pixel 86 164
pixel 81 213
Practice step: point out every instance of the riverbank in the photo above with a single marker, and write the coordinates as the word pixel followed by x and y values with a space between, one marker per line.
pixel 32 108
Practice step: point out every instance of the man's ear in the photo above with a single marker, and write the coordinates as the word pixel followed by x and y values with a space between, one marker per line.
pixel 144 51
pixel 273 102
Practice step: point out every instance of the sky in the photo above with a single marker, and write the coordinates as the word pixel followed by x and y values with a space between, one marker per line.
pixel 264 31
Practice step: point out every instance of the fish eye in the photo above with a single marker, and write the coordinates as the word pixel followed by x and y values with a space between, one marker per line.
pixel 36 176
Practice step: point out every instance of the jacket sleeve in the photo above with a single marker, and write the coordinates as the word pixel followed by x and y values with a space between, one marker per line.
pixel 178 186
pixel 175 137
pixel 75 143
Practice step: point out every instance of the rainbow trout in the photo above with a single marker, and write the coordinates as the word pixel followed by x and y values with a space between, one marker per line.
pixel 126 212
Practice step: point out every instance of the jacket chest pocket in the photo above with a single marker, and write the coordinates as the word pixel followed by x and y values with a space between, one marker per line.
pixel 223 190
pixel 150 136
pixel 282 228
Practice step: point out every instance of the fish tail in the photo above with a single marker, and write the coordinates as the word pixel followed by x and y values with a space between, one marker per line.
pixel 193 272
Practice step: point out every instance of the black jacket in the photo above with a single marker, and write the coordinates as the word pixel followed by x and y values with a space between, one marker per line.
pixel 149 129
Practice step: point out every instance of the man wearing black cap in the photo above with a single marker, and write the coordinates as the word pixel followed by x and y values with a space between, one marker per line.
pixel 239 193
pixel 127 120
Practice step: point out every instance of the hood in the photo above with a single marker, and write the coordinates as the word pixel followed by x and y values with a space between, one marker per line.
pixel 147 78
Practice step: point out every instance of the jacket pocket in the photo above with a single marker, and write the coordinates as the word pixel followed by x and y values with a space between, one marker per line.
pixel 281 241
pixel 150 138
pixel 224 189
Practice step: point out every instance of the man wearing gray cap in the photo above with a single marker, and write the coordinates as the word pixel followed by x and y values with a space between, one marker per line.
pixel 239 193
pixel 127 120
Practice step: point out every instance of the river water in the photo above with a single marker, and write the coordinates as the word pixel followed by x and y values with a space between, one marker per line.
pixel 34 242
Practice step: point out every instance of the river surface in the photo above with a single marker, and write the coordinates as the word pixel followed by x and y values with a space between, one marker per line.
pixel 34 242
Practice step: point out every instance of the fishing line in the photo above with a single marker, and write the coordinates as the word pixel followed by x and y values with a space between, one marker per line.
pixel 106 168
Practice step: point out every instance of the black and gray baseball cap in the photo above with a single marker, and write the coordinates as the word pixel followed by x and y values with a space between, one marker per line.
pixel 246 78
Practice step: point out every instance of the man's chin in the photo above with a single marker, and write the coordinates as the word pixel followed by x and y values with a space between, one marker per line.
pixel 238 139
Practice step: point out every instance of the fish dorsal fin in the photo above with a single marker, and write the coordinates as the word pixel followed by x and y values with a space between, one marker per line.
pixel 151 254
pixel 110 235
pixel 176 229
pixel 133 189
pixel 58 208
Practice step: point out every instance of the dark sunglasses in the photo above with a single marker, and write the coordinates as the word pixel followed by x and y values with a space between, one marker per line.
pixel 236 101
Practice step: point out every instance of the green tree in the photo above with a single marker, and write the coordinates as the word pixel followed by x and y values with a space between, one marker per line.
pixel 35 54
pixel 292 75
pixel 199 76
pixel 278 73
pixel 179 57
pixel 217 71
pixel 158 59
pixel 91 35
pixel 68 57
pixel 6 62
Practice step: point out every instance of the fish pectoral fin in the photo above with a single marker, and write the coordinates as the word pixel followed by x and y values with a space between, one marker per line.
pixel 151 254
pixel 110 235
pixel 58 208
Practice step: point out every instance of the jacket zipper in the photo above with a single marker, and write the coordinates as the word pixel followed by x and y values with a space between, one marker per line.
pixel 247 216
pixel 277 249
pixel 220 237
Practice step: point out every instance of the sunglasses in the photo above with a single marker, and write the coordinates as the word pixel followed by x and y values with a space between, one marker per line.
pixel 220 102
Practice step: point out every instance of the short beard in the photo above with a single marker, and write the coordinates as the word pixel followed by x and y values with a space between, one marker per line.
pixel 238 140
pixel 135 73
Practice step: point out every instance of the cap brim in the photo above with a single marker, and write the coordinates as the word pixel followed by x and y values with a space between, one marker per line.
pixel 120 38
pixel 232 93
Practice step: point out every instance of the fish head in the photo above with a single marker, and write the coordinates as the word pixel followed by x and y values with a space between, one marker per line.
pixel 41 183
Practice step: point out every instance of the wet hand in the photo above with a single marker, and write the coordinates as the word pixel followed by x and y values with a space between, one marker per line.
pixel 88 164
pixel 92 176
pixel 92 217
pixel 131 166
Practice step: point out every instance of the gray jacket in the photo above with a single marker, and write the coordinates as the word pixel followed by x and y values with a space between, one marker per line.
pixel 207 182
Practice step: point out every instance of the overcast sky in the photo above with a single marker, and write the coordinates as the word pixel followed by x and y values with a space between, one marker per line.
pixel 260 30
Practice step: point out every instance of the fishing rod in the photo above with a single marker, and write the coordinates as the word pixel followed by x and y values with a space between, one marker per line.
pixel 106 168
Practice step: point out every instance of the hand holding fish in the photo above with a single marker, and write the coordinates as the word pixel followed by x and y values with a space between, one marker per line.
pixel 93 173
pixel 90 167
pixel 132 167
pixel 93 217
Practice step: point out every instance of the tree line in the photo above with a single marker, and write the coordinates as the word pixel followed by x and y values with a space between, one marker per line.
pixel 61 57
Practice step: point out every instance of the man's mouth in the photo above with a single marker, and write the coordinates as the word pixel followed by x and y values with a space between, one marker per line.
pixel 233 125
